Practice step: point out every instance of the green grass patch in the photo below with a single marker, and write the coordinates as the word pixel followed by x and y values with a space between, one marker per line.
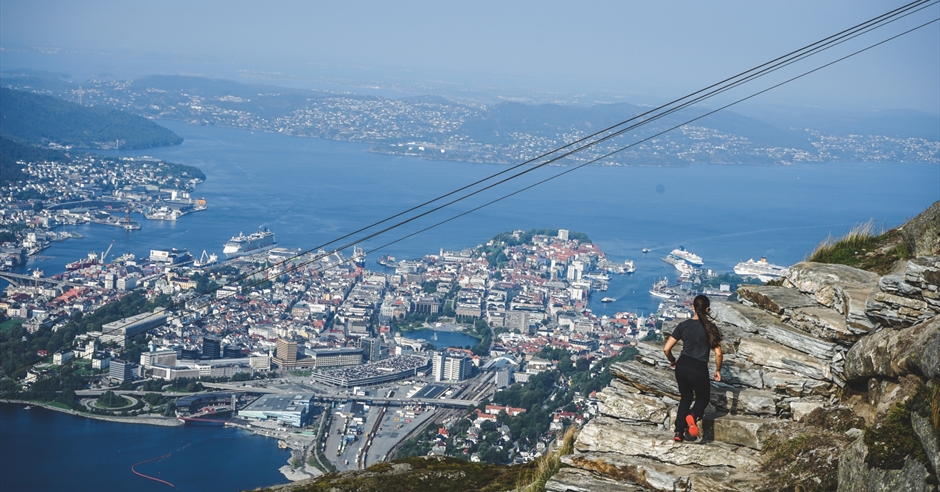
pixel 9 324
pixel 862 248
pixel 57 405
pixel 421 473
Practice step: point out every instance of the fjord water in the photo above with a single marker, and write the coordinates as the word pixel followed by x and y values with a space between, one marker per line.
pixel 311 191
pixel 46 450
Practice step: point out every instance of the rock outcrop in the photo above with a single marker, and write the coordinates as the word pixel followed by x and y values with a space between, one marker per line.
pixel 791 352
pixel 922 233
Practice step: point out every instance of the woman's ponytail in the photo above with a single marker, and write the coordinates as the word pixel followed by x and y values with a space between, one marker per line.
pixel 700 305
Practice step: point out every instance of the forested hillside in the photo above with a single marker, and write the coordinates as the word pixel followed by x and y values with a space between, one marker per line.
pixel 36 119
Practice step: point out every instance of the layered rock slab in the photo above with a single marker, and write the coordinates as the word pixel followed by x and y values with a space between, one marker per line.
pixel 622 401
pixel 893 353
pixel 605 434
pixel 774 299
pixel 662 382
pixel 658 476
pixel 578 480
pixel 755 321
pixel 856 476
pixel 840 287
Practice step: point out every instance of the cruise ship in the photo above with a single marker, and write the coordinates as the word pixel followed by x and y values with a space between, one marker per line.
pixel 760 269
pixel 256 242
pixel 689 257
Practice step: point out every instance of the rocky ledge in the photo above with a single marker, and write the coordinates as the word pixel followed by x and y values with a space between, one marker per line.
pixel 824 367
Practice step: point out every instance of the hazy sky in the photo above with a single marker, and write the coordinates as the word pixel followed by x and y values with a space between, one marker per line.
pixel 645 49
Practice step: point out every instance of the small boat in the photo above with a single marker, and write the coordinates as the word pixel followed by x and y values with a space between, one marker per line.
pixel 608 299
pixel 645 250
pixel 27 407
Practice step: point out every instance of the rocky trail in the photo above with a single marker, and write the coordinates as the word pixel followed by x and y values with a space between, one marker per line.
pixel 812 362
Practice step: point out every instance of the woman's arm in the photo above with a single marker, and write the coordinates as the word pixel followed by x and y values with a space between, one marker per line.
pixel 671 342
pixel 718 363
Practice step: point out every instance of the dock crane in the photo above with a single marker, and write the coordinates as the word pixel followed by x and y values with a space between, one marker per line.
pixel 105 254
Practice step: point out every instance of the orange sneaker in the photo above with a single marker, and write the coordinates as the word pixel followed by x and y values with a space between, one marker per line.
pixel 693 429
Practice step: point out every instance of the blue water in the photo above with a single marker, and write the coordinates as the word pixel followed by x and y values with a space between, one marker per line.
pixel 310 191
pixel 46 450
pixel 444 338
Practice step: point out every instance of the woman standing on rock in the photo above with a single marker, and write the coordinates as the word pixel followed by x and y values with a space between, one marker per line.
pixel 699 335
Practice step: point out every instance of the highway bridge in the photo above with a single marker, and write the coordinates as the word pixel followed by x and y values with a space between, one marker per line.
pixel 340 398
pixel 19 279
pixel 318 397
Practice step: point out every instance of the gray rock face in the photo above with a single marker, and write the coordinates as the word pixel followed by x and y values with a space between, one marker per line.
pixel 840 287
pixel 853 472
pixel 794 385
pixel 743 401
pixel 856 476
pixel 893 353
pixel 649 379
pixel 742 431
pixel 735 370
pixel 624 402
pixel 777 300
pixel 800 409
pixel 658 476
pixel 824 323
pixel 605 434
pixel 922 233
pixel 763 352
pixel 768 326
pixel 907 298
pixel 928 439
pixel 911 478
pixel 662 382
pixel 578 480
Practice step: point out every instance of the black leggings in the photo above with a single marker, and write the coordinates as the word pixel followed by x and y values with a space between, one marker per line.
pixel 694 384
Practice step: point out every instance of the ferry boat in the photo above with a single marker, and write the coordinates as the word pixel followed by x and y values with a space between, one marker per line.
pixel 387 261
pixel 761 269
pixel 256 242
pixel 608 299
pixel 687 256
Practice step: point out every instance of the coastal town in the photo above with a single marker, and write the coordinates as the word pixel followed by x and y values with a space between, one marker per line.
pixel 306 347
pixel 80 188
pixel 438 128
pixel 316 349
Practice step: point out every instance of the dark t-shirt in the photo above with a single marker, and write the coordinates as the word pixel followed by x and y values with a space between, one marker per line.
pixel 694 339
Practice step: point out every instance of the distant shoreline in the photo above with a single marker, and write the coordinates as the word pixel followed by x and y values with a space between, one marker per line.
pixel 148 420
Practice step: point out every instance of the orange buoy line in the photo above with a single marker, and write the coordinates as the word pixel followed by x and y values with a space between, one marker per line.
pixel 148 476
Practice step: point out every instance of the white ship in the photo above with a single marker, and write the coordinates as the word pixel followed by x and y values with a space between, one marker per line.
pixel 256 242
pixel 629 266
pixel 760 269
pixel 662 290
pixel 688 256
